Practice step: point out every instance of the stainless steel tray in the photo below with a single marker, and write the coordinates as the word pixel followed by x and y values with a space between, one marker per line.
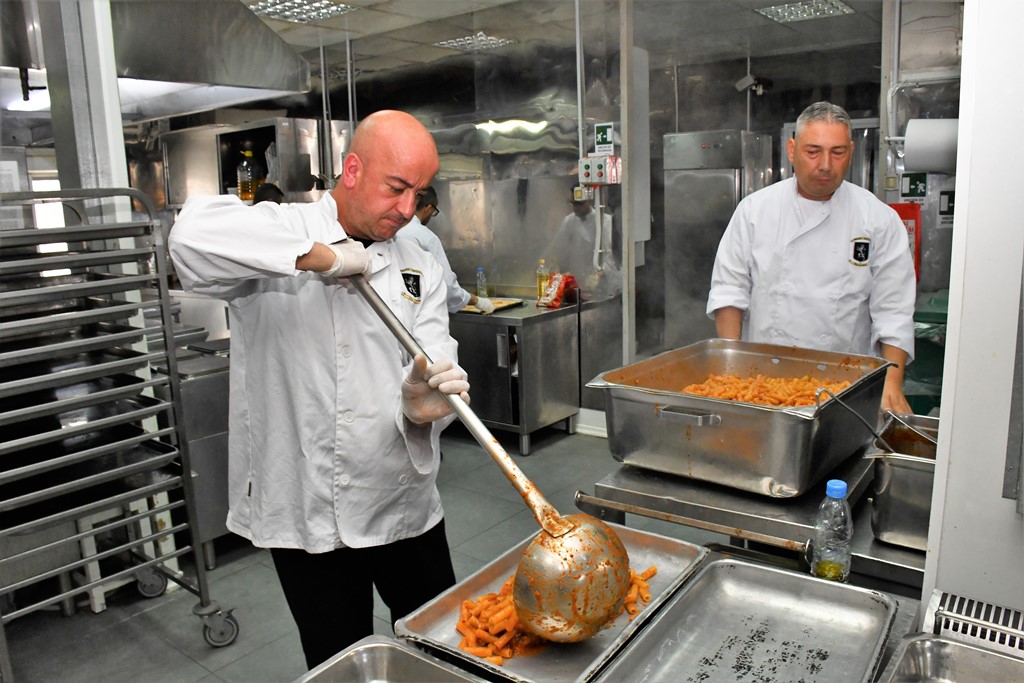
pixel 85 461
pixel 82 367
pixel 433 625
pixel 777 452
pixel 926 658
pixel 737 621
pixel 379 658
pixel 21 293
pixel 62 399
pixel 74 233
pixel 70 341
pixel 36 262
pixel 27 439
pixel 69 313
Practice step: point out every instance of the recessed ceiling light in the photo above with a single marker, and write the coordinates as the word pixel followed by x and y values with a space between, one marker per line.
pixel 478 42
pixel 299 11
pixel 807 9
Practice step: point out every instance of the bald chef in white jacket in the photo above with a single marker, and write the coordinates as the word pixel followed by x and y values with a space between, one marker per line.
pixel 816 262
pixel 334 429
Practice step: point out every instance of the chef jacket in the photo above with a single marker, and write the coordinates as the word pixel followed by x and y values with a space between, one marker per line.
pixel 420 234
pixel 834 275
pixel 320 455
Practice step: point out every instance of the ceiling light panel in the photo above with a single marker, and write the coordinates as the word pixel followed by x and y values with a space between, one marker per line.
pixel 477 42
pixel 807 9
pixel 299 11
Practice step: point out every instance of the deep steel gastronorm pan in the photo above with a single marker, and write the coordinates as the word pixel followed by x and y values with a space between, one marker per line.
pixel 778 452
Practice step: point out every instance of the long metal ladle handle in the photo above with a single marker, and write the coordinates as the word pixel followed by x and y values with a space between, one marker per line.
pixel 545 513
pixel 874 432
pixel 927 437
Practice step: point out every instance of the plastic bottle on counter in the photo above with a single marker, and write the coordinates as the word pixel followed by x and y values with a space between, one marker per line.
pixel 481 282
pixel 543 275
pixel 833 532
pixel 246 175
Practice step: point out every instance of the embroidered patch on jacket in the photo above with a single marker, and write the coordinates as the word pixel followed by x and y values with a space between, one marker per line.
pixel 860 251
pixel 411 278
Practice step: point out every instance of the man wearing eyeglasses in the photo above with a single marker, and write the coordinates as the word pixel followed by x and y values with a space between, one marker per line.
pixel 416 230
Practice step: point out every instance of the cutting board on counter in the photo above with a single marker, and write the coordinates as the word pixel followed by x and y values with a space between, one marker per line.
pixel 499 305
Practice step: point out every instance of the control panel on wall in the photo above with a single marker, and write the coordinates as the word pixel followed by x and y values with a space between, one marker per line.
pixel 600 170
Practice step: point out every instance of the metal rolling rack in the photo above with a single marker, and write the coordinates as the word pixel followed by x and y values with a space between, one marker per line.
pixel 84 435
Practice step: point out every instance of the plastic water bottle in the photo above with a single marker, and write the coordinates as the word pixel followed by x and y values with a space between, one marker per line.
pixel 481 282
pixel 833 531
pixel 543 275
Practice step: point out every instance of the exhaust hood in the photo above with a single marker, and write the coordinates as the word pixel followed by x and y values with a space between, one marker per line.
pixel 173 57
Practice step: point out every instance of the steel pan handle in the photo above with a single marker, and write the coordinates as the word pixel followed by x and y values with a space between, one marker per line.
pixel 543 511
pixel 694 419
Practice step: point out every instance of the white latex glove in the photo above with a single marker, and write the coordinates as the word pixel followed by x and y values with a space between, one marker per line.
pixel 350 258
pixel 423 389
pixel 484 305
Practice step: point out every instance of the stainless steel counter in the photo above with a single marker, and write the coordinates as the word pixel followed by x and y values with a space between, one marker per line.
pixel 204 385
pixel 782 523
pixel 523 366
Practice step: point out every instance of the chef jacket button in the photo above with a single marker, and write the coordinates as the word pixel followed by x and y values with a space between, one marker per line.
pixel 344 480
pixel 346 351
pixel 823 337
pixel 404 479
pixel 349 416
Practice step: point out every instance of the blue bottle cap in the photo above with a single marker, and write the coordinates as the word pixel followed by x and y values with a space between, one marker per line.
pixel 836 488
pixel 479 269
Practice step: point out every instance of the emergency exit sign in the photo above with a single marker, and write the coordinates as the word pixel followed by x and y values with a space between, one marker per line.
pixel 604 138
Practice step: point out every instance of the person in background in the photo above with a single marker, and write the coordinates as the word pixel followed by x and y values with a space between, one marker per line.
pixel 268 192
pixel 817 262
pixel 572 248
pixel 416 230
pixel 333 441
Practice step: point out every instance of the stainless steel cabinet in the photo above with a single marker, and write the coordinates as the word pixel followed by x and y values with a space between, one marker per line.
pixel 202 160
pixel 82 442
pixel 523 366
pixel 204 397
pixel 706 176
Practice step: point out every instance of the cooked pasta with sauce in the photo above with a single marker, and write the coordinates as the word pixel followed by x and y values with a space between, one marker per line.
pixel 770 391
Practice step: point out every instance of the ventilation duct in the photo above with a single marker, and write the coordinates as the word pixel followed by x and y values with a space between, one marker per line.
pixel 175 58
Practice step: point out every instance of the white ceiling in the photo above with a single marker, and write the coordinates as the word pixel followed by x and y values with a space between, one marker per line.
pixel 388 34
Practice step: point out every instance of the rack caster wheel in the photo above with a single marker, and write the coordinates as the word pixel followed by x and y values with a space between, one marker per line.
pixel 150 584
pixel 220 630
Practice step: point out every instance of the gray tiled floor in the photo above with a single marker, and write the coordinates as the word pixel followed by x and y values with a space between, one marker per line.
pixel 159 640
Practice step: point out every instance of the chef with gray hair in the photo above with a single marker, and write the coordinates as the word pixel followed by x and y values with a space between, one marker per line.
pixel 817 262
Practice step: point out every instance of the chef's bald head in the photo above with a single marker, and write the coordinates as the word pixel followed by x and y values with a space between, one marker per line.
pixel 391 160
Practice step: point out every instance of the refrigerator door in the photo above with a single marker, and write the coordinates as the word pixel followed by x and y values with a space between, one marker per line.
pixel 698 206
pixel 707 173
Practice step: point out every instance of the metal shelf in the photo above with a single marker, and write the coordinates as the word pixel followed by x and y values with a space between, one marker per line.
pixel 37 262
pixel 87 446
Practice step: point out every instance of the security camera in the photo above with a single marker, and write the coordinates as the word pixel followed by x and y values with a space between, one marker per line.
pixel 744 83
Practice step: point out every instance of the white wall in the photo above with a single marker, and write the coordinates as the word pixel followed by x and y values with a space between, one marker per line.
pixel 976 539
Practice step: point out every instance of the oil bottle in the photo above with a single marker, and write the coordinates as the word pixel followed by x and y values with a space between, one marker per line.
pixel 246 174
pixel 543 275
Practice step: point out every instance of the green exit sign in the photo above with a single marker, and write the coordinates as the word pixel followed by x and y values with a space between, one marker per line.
pixel 604 138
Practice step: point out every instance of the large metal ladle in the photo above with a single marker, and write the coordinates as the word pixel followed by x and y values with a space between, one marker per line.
pixel 574 576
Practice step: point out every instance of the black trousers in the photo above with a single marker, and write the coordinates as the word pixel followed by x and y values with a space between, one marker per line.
pixel 330 595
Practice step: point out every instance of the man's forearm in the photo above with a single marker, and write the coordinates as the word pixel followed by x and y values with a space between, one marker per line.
pixel 898 357
pixel 318 259
pixel 729 322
